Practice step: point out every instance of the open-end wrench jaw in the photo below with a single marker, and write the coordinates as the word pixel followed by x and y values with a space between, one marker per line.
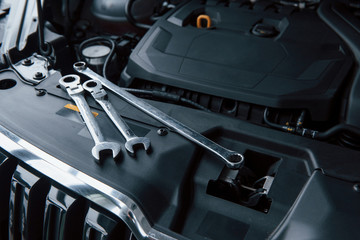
pixel 137 141
pixel 100 96
pixel 104 146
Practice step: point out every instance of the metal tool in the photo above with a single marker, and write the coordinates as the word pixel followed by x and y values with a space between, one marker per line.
pixel 231 158
pixel 71 83
pixel 99 94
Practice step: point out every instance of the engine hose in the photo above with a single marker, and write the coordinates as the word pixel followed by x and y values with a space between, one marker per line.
pixel 342 127
pixel 167 96
pixel 276 126
pixel 130 17
pixel 346 140
pixel 194 104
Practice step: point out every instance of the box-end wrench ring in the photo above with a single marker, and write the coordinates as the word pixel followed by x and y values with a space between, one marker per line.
pixel 71 84
pixel 99 94
pixel 231 158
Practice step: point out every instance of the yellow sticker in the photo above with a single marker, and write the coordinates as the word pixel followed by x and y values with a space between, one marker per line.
pixel 76 109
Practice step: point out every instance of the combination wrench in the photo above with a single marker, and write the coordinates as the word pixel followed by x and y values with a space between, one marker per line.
pixel 99 94
pixel 231 158
pixel 71 84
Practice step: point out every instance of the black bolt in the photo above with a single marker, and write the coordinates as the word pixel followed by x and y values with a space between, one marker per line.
pixel 162 132
pixel 27 62
pixel 79 34
pixel 40 92
pixel 356 187
pixel 84 26
pixel 38 76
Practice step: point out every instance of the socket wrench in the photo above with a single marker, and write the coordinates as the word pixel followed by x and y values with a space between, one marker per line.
pixel 231 158
pixel 99 94
pixel 71 84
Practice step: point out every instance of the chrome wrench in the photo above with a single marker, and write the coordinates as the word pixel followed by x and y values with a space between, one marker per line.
pixel 71 84
pixel 231 158
pixel 100 96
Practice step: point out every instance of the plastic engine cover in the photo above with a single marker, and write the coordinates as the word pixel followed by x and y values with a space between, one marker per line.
pixel 267 54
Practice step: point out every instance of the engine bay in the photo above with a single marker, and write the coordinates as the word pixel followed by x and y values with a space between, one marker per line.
pixel 177 85
pixel 242 60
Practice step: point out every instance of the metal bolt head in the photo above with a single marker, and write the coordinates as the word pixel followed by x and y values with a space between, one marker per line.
pixel 356 187
pixel 38 76
pixel 162 132
pixel 27 62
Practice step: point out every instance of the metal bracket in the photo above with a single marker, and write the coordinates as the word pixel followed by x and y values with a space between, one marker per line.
pixel 34 69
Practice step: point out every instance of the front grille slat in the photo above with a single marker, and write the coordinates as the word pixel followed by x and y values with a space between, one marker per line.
pixel 16 197
pixel 100 226
pixel 56 214
pixel 75 219
pixel 91 233
pixel 41 210
pixel 36 208
pixel 21 185
pixel 94 228
pixel 53 222
pixel 7 168
pixel 64 215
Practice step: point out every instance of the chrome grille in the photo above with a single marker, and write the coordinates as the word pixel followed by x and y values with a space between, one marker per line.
pixel 38 209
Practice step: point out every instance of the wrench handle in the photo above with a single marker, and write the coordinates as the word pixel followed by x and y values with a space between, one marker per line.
pixel 89 118
pixel 116 119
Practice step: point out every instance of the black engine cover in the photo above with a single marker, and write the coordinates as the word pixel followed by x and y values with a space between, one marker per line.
pixel 266 54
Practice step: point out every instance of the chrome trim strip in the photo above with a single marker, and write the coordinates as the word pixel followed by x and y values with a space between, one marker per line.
pixel 90 188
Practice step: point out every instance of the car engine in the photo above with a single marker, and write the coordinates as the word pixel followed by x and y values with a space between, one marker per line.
pixel 179 119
